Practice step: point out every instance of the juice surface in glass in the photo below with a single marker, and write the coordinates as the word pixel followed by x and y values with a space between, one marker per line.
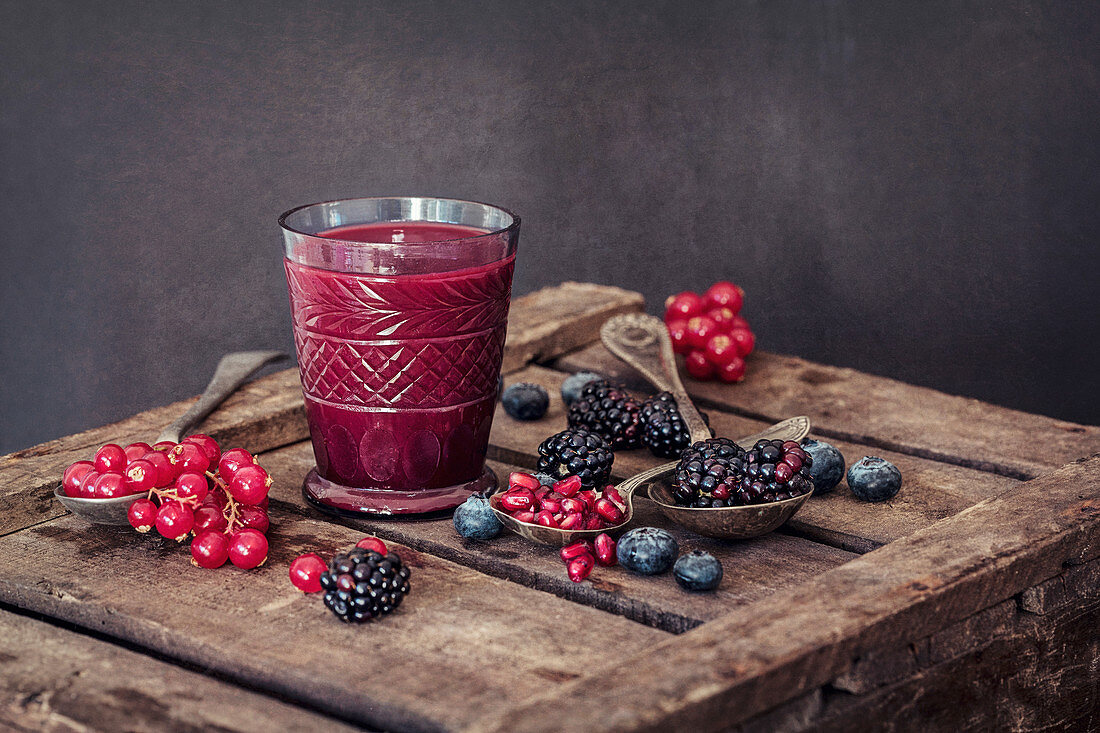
pixel 399 371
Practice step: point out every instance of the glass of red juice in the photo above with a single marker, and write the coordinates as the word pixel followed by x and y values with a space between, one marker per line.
pixel 400 307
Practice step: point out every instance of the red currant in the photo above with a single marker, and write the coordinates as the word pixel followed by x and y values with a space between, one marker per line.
pixel 164 445
pixel 209 447
pixel 209 550
pixel 142 515
pixel 141 475
pixel 191 488
pixel 87 485
pixel 720 349
pixel 724 295
pixel 677 333
pixel 216 499
pixel 166 470
pixel 732 371
pixel 698 366
pixel 74 474
pixel 699 331
pixel 135 451
pixel 247 548
pixel 306 571
pixel 174 520
pixel 254 517
pixel 210 518
pixel 110 486
pixel 739 322
pixel 189 457
pixel 682 306
pixel 110 459
pixel 744 339
pixel 249 484
pixel 233 459
pixel 373 543
pixel 724 317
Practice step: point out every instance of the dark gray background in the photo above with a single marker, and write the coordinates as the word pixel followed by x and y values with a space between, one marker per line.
pixel 906 188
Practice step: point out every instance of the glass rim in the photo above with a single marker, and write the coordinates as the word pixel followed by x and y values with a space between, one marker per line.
pixel 514 226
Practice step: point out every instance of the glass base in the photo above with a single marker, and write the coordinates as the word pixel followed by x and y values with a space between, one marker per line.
pixel 338 499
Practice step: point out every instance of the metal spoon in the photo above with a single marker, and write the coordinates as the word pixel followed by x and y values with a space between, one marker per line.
pixel 642 341
pixel 231 373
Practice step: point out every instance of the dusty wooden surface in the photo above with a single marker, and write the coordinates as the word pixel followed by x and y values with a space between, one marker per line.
pixel 852 614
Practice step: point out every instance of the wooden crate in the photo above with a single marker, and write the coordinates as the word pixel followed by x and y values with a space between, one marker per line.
pixel 969 601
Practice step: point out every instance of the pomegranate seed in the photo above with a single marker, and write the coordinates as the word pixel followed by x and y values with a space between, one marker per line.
pixel 572 521
pixel 74 474
pixel 721 350
pixel 606 509
pixel 588 497
pixel 573 506
pixel 209 550
pixel 247 548
pixel 677 333
pixel 568 486
pixel 541 491
pixel 527 517
pixel 734 371
pixel 373 543
pixel 135 451
pixel 682 306
pixel 550 504
pixel 142 515
pixel 605 550
pixel 699 331
pixel 580 567
pixel 546 519
pixel 110 459
pixel 610 492
pixel 233 459
pixel 744 340
pixel 724 295
pixel 249 484
pixel 577 548
pixel 594 521
pixel 306 571
pixel 698 366
pixel 174 520
pixel 517 500
pixel 189 457
pixel 524 480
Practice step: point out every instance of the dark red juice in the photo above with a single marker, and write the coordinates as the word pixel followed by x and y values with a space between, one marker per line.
pixel 399 372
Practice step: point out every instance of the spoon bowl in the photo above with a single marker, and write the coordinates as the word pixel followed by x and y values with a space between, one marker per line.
pixel 725 523
pixel 557 537
pixel 99 511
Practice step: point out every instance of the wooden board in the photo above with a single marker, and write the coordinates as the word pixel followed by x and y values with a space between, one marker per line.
pixel 462 639
pixel 59 680
pixel 876 411
pixel 753 569
pixel 794 641
pixel 268 412
pixel 931 490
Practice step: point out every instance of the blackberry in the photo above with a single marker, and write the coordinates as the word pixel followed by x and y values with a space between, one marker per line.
pixel 364 584
pixel 719 473
pixel 663 430
pixel 609 411
pixel 577 452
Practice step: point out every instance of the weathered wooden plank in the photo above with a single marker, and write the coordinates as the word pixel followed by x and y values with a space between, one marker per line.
pixel 768 652
pixel 876 411
pixel 1078 585
pixel 268 412
pixel 753 569
pixel 552 321
pixel 460 642
pixel 58 680
pixel 931 490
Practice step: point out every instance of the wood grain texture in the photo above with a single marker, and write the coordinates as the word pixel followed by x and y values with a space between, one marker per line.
pixel 931 490
pixel 880 412
pixel 753 569
pixel 549 322
pixel 764 654
pixel 463 642
pixel 53 679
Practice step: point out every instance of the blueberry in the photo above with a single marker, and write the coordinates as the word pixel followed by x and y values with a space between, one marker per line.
pixel 574 383
pixel 698 570
pixel 545 479
pixel 874 479
pixel 525 401
pixel 475 519
pixel 828 465
pixel 647 550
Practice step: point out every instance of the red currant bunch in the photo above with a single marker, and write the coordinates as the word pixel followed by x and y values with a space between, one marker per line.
pixel 191 489
pixel 710 332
